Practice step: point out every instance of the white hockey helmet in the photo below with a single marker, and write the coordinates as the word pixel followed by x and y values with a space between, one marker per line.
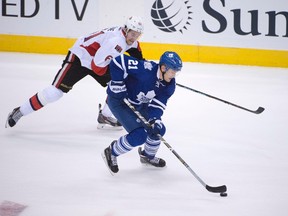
pixel 134 23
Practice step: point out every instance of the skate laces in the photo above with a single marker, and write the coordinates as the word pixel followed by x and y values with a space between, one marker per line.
pixel 110 119
pixel 16 114
pixel 154 160
pixel 114 160
pixel 107 120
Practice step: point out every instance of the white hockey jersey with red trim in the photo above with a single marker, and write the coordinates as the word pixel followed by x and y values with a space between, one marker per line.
pixel 96 50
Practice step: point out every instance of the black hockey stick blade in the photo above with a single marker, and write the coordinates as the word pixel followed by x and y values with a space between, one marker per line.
pixel 219 189
pixel 259 110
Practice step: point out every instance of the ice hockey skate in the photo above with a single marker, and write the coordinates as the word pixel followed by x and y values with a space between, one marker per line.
pixel 156 162
pixel 110 160
pixel 107 122
pixel 13 117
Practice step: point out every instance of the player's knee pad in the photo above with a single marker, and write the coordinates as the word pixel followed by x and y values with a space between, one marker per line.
pixel 49 95
pixel 137 137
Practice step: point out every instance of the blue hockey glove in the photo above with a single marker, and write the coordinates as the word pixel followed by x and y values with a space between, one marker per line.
pixel 118 89
pixel 157 127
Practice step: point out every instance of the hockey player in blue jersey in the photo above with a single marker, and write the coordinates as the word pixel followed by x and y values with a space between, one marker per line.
pixel 147 86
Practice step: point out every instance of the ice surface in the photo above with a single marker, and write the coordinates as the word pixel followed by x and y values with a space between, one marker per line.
pixel 51 160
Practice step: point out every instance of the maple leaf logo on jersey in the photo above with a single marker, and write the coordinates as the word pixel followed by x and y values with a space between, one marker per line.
pixel 141 97
pixel 148 65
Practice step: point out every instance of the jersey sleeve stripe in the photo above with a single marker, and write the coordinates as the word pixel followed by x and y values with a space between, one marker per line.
pixel 155 106
pixel 117 64
pixel 123 66
pixel 155 101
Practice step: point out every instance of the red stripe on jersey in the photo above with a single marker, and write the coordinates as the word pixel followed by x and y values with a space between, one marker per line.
pixel 64 70
pixel 100 71
pixel 92 48
pixel 35 103
pixel 93 35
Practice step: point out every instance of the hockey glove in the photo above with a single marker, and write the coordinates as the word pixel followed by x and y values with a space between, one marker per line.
pixel 157 128
pixel 118 89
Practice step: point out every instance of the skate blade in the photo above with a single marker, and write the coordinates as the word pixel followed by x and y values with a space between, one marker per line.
pixel 101 126
pixel 105 161
pixel 151 167
pixel 6 124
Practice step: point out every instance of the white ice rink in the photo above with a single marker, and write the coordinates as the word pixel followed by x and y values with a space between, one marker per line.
pixel 51 160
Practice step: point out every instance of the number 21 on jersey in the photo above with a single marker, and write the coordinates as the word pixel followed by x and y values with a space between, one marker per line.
pixel 132 64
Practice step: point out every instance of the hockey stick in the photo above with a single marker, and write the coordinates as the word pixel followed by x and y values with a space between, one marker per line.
pixel 218 189
pixel 258 111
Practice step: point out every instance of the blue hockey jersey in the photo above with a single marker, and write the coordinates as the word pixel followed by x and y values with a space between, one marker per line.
pixel 139 81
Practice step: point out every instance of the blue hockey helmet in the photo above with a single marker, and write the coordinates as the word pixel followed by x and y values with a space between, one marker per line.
pixel 171 60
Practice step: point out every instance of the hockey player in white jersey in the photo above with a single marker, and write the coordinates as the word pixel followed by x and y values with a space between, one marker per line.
pixel 90 55
pixel 147 86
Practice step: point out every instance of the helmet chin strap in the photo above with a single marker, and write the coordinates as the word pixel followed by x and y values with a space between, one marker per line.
pixel 126 31
pixel 164 72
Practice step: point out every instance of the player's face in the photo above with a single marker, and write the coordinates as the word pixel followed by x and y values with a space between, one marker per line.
pixel 132 36
pixel 169 74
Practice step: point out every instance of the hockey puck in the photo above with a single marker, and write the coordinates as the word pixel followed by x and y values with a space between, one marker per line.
pixel 223 194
